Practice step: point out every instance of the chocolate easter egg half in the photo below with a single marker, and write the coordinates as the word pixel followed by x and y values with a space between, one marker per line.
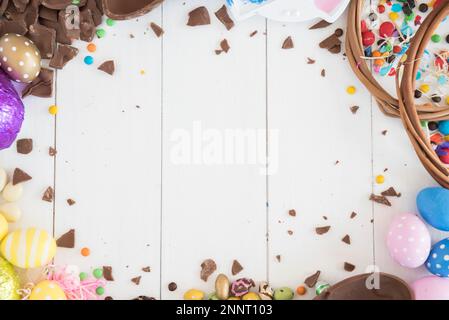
pixel 123 10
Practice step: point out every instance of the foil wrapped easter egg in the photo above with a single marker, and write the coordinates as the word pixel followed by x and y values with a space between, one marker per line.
pixel 11 112
pixel 47 290
pixel 9 281
pixel 19 58
pixel 438 261
pixel 431 288
pixel 28 248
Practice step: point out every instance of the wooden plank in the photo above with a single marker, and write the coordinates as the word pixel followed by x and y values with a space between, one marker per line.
pixel 214 205
pixel 109 157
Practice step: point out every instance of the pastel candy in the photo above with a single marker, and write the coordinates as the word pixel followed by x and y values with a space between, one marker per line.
pixel 431 288
pixel 433 205
pixel 28 248
pixel 12 193
pixel 438 261
pixel 408 241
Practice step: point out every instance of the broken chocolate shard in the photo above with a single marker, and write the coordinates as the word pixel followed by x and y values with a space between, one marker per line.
pixel 224 45
pixel 107 273
pixel 292 213
pixel 52 151
pixel 63 54
pixel 20 176
pixel 208 267
pixel 108 67
pixel 17 27
pixel 236 267
pixel 44 38
pixel 320 24
pixel 146 269
pixel 380 199
pixel 349 267
pixel 67 240
pixel 48 195
pixel 288 43
pixel 24 146
pixel 278 258
pixel 353 215
pixel 223 16
pixel 158 31
pixel 310 61
pixel 48 14
pixel 313 279
pixel 390 192
pixel 124 10
pixel 42 86
pixel 354 109
pixel 322 230
pixel 136 280
pixel 330 42
pixel 199 17
pixel 71 202
pixel 346 239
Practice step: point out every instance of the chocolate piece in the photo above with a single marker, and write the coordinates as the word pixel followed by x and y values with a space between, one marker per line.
pixel 322 230
pixel 60 4
pixel 310 61
pixel 52 151
pixel 64 53
pixel 339 32
pixel 24 146
pixel 48 14
pixel 346 239
pixel 136 280
pixel 158 31
pixel 236 267
pixel 330 42
pixel 67 240
pixel 207 268
pixel 172 286
pixel 66 28
pixel 44 38
pixel 288 43
pixel 349 267
pixel 123 10
pixel 144 298
pixel 87 25
pixel 384 132
pixel 20 176
pixel 353 215
pixel 18 27
pixel 380 200
pixel 362 287
pixel 108 67
pixel 107 273
pixel 278 258
pixel 146 269
pixel 42 86
pixel 391 192
pixel 48 195
pixel 292 213
pixel 354 109
pixel 290 232
pixel 319 25
pixel 323 73
pixel 108 298
pixel 198 17
pixel 3 6
pixel 224 45
pixel 313 279
pixel 20 4
pixel 97 16
pixel 252 34
pixel 223 16
pixel 71 202
pixel 335 49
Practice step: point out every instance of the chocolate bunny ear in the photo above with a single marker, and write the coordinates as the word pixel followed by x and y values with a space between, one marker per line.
pixel 128 9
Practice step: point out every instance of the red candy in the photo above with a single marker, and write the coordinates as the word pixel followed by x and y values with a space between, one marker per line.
pixel 397 49
pixel 363 26
pixel 368 38
pixel 445 158
pixel 386 29
pixel 380 8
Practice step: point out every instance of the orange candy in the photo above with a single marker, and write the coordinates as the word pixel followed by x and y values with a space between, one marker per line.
pixel 91 47
pixel 301 290
pixel 85 252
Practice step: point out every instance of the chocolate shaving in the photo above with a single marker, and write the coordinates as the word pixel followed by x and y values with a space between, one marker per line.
pixel 380 199
pixel 48 195
pixel 252 34
pixel 158 31
pixel 67 240
pixel 42 86
pixel 223 16
pixel 391 192
pixel 107 273
pixel 20 176
pixel 288 43
pixel 322 230
pixel 64 53
pixel 346 239
pixel 198 17
pixel 330 42
pixel 236 267
pixel 24 146
pixel 312 280
pixel 349 267
pixel 136 280
pixel 319 25
pixel 108 67
pixel 323 73
pixel 208 267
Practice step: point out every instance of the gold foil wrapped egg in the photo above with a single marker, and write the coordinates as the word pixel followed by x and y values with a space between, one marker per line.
pixel 19 58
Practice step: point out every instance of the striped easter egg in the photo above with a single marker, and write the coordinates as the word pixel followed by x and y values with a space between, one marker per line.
pixel 28 248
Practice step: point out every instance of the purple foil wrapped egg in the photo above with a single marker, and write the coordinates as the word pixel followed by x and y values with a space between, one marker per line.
pixel 241 287
pixel 12 112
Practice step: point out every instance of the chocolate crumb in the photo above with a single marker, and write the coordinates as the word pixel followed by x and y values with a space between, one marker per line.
pixel 107 273
pixel 288 43
pixel 208 267
pixel 354 109
pixel 136 280
pixel 391 192
pixel 71 202
pixel 346 239
pixel 236 267
pixel 67 240
pixel 380 199
pixel 310 61
pixel 52 151
pixel 290 232
pixel 292 213
pixel 319 25
pixel 158 31
pixel 24 146
pixel 323 73
pixel 313 279
pixel 146 269
pixel 384 132
pixel 224 45
pixel 48 195
pixel 349 267
pixel 278 258
pixel 172 286
pixel 322 230
pixel 252 34
pixel 20 176
pixel 353 215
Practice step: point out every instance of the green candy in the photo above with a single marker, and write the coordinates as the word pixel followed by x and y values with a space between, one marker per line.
pixel 9 281
pixel 101 33
pixel 110 22
pixel 98 273
pixel 99 291
pixel 436 38
pixel 284 293
pixel 83 276
pixel 213 296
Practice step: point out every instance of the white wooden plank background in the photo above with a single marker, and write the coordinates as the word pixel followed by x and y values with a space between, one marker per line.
pixel 137 206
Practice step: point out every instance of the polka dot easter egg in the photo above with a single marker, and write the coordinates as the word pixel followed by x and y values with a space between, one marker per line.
pixel 438 261
pixel 19 58
pixel 28 248
pixel 47 290
pixel 408 241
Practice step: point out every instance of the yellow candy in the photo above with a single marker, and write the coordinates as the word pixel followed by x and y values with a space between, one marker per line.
pixel 28 248
pixel 53 110
pixel 251 296
pixel 351 90
pixel 194 294
pixel 447 99
pixel 393 16
pixel 47 290
pixel 424 88
pixel 3 227
pixel 380 179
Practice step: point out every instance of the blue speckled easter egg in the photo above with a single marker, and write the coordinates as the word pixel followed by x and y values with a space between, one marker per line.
pixel 433 205
pixel 438 261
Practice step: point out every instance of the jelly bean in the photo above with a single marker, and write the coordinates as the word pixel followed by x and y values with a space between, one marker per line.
pixel 396 7
pixel 110 22
pixel 251 296
pixel 222 286
pixel 12 193
pixel 368 38
pixel 444 127
pixel 101 33
pixel 91 47
pixel 424 88
pixel 99 291
pixel 194 294
pixel 380 8
pixel 283 294
pixel 83 276
pixel 393 16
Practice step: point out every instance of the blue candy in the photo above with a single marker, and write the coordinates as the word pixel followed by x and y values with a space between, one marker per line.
pixel 438 261
pixel 396 7
pixel 444 127
pixel 433 205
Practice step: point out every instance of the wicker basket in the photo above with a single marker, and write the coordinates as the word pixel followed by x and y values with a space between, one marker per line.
pixel 362 68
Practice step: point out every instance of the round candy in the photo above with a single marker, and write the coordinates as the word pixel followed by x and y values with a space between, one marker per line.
pixel 368 38
pixel 194 294
pixel 12 193
pixel 433 205
pixel 28 248
pixel 251 296
pixel 10 211
pixel 85 252
pixel 89 60
pixel 98 273
pixel 444 158
pixel 9 281
pixel 436 38
pixel 283 294
pixel 99 291
pixel 438 261
pixel 222 287
pixel 444 127
pixel 3 227
pixel 47 290
pixel 431 288
pixel 19 58
pixel 301 290
pixel 3 178
pixel 408 240
pixel 386 29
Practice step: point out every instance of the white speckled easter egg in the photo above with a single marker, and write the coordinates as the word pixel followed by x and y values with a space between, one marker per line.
pixel 19 58
pixel 408 241
pixel 28 248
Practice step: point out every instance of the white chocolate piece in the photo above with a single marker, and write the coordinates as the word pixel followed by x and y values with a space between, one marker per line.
pixel 12 193
pixel 10 211
pixel 3 179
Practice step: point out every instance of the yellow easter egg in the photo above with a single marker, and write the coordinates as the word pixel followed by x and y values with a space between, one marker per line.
pixel 194 294
pixel 251 296
pixel 47 290
pixel 28 248
pixel 3 227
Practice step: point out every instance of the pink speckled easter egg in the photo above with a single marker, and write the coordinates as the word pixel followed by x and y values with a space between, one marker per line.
pixel 408 240
pixel 431 288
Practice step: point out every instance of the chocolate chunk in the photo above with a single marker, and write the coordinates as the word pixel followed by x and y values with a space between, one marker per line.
pixel 353 215
pixel 288 43
pixel 107 273
pixel 292 213
pixel 346 239
pixel 48 195
pixel 64 53
pixel 224 45
pixel 87 25
pixel 208 267
pixel 52 151
pixel 146 269
pixel 108 67
pixel 20 176
pixel 354 109
pixel 223 16
pixel 97 15
pixel 66 28
pixel 136 280
pixel 172 286
pixel 71 202
pixel 380 200
pixel 67 240
pixel 391 192
pixel 158 31
pixel 18 27
pixel 44 38
pixel 322 230
pixel 236 268
pixel 384 132
pixel 123 10
pixel 20 4
pixel 42 86
pixel 330 42
pixel 312 280
pixel 198 17
pixel 319 25
pixel 349 267
pixel 48 14
pixel 335 49
pixel 290 232
pixel 60 4
pixel 310 61
pixel 24 146
pixel 339 32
